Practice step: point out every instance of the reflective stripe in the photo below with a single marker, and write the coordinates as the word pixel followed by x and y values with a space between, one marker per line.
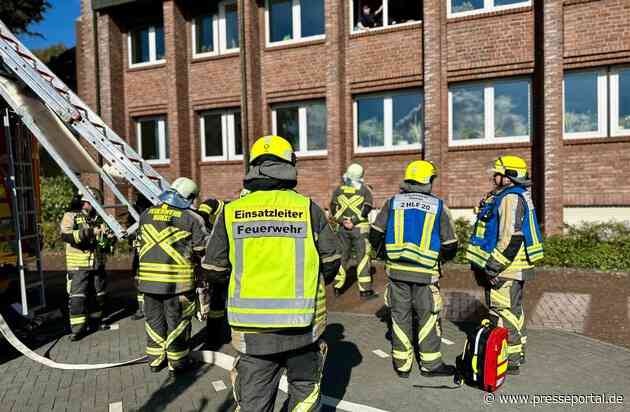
pixel 430 356
pixel 249 303
pixel 78 320
pixel 498 256
pixel 164 239
pixel 352 203
pixel 177 332
pixel 406 354
pixel 277 320
pixel 514 349
pixel 340 278
pixel 416 269
pixel 426 328
pixel 153 335
pixel 177 355
pixel 427 229
pixel 77 236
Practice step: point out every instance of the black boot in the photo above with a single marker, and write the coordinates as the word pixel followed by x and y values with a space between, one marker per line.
pixel 75 337
pixel 368 295
pixel 138 315
pixel 402 375
pixel 158 369
pixel 513 369
pixel 442 370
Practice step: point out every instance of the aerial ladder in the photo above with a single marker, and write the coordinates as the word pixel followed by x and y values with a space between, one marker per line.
pixel 69 130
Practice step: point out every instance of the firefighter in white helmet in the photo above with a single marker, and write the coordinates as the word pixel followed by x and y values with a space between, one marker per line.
pixel 350 206
pixel 172 237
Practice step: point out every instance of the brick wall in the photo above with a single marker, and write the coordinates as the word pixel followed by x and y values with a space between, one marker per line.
pixel 540 41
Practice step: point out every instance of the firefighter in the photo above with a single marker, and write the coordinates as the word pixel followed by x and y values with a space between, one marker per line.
pixel 419 233
pixel 216 326
pixel 350 205
pixel 505 243
pixel 171 238
pixel 274 247
pixel 85 236
pixel 141 204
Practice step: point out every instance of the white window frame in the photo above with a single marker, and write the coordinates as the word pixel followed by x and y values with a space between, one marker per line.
pixel 152 49
pixel 228 134
pixel 614 102
pixel 303 126
pixel 388 124
pixel 162 136
pixel 297 26
pixel 488 6
pixel 219 32
pixel 385 14
pixel 602 107
pixel 489 127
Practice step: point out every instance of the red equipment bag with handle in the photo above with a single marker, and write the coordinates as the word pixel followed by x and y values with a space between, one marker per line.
pixel 484 361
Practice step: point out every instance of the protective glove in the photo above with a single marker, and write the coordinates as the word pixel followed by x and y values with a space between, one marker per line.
pixel 203 303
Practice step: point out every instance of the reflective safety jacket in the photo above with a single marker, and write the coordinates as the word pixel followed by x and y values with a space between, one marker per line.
pixel 274 259
pixel 167 242
pixel 412 236
pixel 77 231
pixel 486 233
pixel 349 202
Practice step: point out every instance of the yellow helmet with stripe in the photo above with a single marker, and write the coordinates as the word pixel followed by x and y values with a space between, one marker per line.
pixel 512 167
pixel 272 146
pixel 421 171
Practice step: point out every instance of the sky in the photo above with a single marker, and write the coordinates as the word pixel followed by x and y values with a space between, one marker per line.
pixel 58 25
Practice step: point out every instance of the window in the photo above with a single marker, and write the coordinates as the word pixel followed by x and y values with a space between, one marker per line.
pixel 146 45
pixel 302 124
pixel 367 14
pixel 153 139
pixel 216 33
pixel 458 8
pixel 490 112
pixel 294 20
pixel 388 121
pixel 585 104
pixel 221 135
pixel 620 101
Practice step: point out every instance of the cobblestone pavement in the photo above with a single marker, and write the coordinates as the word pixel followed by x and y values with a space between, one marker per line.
pixel 559 361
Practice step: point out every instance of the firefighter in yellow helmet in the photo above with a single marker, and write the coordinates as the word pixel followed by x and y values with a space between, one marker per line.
pixel 414 232
pixel 84 233
pixel 505 243
pixel 350 206
pixel 274 247
pixel 172 237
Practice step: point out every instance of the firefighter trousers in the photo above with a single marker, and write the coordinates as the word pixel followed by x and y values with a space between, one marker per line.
pixel 167 324
pixel 405 300
pixel 255 379
pixel 86 298
pixel 217 325
pixel 357 240
pixel 505 304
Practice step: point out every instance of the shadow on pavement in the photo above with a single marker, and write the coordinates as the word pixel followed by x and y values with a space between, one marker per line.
pixel 342 357
pixel 172 388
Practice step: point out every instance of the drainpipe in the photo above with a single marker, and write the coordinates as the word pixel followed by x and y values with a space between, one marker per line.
pixel 97 78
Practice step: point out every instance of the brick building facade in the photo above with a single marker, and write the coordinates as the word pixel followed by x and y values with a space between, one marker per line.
pixel 443 77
